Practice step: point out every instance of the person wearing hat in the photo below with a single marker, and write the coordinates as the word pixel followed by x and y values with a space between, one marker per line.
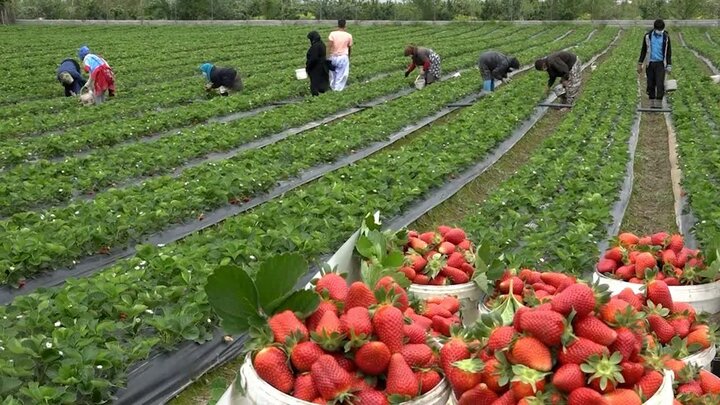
pixel 566 66
pixel 659 57
pixel 425 57
pixel 222 79
pixel 493 66
pixel 102 78
pixel 68 73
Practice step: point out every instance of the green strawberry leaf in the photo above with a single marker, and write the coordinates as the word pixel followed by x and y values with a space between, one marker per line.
pixel 302 302
pixel 232 295
pixel 276 279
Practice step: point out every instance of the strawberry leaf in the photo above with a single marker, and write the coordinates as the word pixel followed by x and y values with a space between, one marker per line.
pixel 232 295
pixel 276 279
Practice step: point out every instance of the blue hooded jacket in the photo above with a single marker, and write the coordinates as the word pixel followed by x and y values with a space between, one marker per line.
pixel 206 68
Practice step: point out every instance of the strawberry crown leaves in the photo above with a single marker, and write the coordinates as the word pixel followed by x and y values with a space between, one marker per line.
pixel 601 292
pixel 474 365
pixel 504 369
pixel 605 368
pixel 527 375
pixel 628 318
pixel 653 309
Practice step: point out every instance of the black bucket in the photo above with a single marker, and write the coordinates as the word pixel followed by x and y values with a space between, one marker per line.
pixel 715 366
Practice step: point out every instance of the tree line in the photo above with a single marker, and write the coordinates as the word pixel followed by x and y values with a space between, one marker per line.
pixel 458 10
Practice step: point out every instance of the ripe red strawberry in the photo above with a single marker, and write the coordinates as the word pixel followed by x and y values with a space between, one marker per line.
pixel 285 324
pixel 271 365
pixel 626 343
pixel 644 261
pixel 594 329
pixel 415 333
pixel 409 272
pixel 579 350
pixel 659 293
pixel 684 308
pixel 650 383
pixel 344 362
pixel 439 280
pixel 464 375
pixel 568 378
pixel 451 303
pixel 606 265
pixel 373 358
pixel 304 354
pixel 443 229
pixel 631 298
pixel 454 236
pixel 612 309
pixel 388 325
pixel 659 239
pixel 419 320
pixel 418 355
pixel 500 338
pixel 332 381
pixel 431 238
pixel 645 241
pixel 305 388
pixel 532 353
pixel 615 254
pixel 544 287
pixel 491 374
pixel 623 397
pixel 432 310
pixel 400 378
pixel 428 380
pixel 446 248
pixel 327 333
pixel 554 279
pixel 356 323
pixel 527 382
pixel 586 396
pixel 443 325
pixel 457 276
pixel 418 245
pixel 387 283
pixel 478 395
pixel 314 319
pixel 421 279
pixel 456 260
pixel 453 350
pixel 465 245
pixel 577 296
pixel 676 243
pixel 359 295
pixel 628 239
pixel 668 257
pixel 692 387
pixel 709 382
pixel 334 284
pixel 631 372
pixel 625 272
pixel 700 336
pixel 517 285
pixel 417 262
pixel 546 326
pixel 370 397
pixel 662 328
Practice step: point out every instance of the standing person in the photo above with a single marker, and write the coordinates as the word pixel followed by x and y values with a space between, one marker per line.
pixel 316 65
pixel 340 43
pixel 222 79
pixel 568 68
pixel 102 78
pixel 660 61
pixel 495 66
pixel 68 73
pixel 427 58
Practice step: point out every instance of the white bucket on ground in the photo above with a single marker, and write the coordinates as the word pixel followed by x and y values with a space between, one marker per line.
pixel 703 297
pixel 468 294
pixel 702 358
pixel 301 74
pixel 258 392
pixel 670 85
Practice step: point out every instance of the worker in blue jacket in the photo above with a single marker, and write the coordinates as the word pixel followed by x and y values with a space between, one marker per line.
pixel 656 56
pixel 222 79
pixel 68 73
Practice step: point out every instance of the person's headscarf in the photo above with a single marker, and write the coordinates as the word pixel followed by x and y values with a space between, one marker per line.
pixel 410 50
pixel 540 64
pixel 514 64
pixel 83 51
pixel 206 68
pixel 313 36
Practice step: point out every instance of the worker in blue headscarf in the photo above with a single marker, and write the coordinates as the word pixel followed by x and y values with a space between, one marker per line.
pixel 68 73
pixel 222 79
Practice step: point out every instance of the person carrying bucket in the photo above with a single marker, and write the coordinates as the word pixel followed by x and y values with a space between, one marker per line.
pixel 68 74
pixel 428 59
pixel 222 79
pixel 566 66
pixel 316 65
pixel 657 41
pixel 102 78
pixel 493 66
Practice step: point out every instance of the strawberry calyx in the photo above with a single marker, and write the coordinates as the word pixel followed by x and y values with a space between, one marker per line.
pixel 606 369
pixel 435 264
pixel 527 375
pixel 473 365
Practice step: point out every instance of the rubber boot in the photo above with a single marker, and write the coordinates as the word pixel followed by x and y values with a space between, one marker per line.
pixel 488 85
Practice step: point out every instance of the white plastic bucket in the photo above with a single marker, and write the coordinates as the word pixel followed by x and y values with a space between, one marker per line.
pixel 703 297
pixel 670 85
pixel 715 79
pixel 301 74
pixel 702 359
pixel 258 392
pixel 468 294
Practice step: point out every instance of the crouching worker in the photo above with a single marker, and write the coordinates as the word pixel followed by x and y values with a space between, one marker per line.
pixel 222 79
pixel 102 79
pixel 567 67
pixel 68 73
pixel 495 66
pixel 428 59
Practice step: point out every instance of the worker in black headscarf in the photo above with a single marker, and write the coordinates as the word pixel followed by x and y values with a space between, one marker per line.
pixel 316 65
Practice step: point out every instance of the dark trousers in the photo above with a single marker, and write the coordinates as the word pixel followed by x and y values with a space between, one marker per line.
pixel 655 72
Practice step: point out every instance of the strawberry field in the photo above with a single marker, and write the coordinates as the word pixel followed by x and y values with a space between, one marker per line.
pixel 113 218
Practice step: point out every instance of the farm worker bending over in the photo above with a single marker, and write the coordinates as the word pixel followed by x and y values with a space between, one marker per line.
pixel 101 75
pixel 427 58
pixel 68 73
pixel 567 67
pixel 316 65
pixel 222 79
pixel 495 66
pixel 660 55
pixel 340 43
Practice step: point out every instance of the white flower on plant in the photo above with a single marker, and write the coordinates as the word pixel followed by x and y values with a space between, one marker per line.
pixel 61 353
pixel 209 320
pixel 60 190
pixel 253 257
pixel 48 345
pixel 19 317
pixel 160 245
pixel 149 311
pixel 12 268
pixel 137 267
pixel 99 367
pixel 142 263
pixel 77 212
pixel 58 324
